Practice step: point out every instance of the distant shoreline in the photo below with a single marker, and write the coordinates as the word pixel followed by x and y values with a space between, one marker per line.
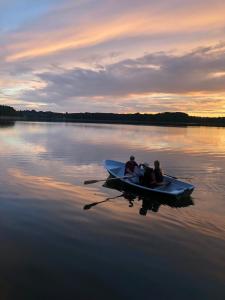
pixel 178 119
pixel 138 123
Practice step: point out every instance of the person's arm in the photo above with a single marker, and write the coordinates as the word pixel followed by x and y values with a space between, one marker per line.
pixel 128 171
pixel 153 178
pixel 161 182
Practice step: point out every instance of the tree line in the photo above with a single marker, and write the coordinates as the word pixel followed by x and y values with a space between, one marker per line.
pixel 166 118
pixel 7 111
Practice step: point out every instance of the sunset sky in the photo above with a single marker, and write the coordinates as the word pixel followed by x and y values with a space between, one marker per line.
pixel 113 56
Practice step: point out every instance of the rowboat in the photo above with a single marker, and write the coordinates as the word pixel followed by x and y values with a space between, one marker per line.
pixel 171 187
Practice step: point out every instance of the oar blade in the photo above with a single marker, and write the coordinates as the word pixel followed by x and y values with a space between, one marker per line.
pixel 88 206
pixel 90 181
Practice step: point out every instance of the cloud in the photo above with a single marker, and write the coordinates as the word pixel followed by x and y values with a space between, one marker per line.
pixel 83 24
pixel 107 55
pixel 152 73
pixel 154 82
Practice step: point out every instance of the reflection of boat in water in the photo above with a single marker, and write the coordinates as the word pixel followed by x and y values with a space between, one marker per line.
pixel 149 202
pixel 172 187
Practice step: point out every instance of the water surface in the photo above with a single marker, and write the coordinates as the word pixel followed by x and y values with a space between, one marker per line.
pixel 51 248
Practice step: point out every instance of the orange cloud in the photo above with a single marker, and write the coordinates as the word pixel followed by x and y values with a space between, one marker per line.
pixel 34 44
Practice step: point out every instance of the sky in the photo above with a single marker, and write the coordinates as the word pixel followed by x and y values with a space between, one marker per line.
pixel 119 56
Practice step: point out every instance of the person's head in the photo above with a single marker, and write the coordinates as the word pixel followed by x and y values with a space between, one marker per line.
pixel 132 158
pixel 146 165
pixel 156 164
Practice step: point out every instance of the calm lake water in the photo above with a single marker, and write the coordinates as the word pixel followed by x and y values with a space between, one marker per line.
pixel 51 248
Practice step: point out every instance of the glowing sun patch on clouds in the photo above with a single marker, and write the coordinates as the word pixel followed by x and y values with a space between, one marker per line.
pixel 217 74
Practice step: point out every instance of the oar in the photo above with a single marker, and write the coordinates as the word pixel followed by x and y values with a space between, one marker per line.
pixel 99 180
pixel 170 176
pixel 187 178
pixel 88 206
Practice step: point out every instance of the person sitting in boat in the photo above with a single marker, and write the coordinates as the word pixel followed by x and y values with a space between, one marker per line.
pixel 130 166
pixel 148 179
pixel 158 172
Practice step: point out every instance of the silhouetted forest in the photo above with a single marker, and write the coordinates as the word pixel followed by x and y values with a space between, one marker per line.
pixel 167 118
pixel 7 111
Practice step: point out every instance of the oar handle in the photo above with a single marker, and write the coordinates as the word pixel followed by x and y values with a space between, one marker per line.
pixel 170 176
pixel 185 178
pixel 116 178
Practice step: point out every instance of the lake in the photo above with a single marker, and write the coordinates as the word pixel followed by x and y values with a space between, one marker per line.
pixel 53 248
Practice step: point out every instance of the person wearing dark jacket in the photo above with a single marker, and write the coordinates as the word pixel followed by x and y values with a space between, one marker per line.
pixel 158 172
pixel 148 179
pixel 130 166
pixel 152 177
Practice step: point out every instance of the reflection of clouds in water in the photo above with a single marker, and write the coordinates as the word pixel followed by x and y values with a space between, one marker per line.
pixel 213 169
pixel 16 144
pixel 81 141
pixel 189 139
pixel 50 187
pixel 13 141
pixel 32 127
pixel 42 198
pixel 82 144
pixel 77 150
